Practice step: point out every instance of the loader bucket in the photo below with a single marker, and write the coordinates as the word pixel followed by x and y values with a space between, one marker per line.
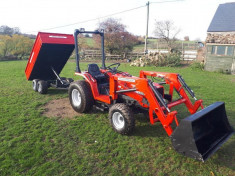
pixel 201 134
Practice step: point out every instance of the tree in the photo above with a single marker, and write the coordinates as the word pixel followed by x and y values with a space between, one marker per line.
pixel 21 46
pixel 5 30
pixel 167 31
pixel 186 38
pixel 117 39
pixel 16 45
pixel 87 35
pixel 82 42
pixel 5 45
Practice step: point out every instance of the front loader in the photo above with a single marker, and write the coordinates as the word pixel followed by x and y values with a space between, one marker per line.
pixel 197 136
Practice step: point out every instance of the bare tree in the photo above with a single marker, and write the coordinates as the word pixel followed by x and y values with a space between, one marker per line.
pixel 167 31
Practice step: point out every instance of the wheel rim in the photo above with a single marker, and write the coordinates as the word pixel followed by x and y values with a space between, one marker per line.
pixel 118 120
pixel 76 97
pixel 39 87
pixel 34 85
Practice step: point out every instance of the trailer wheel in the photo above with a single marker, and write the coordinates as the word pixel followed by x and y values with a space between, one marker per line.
pixel 35 84
pixel 121 118
pixel 42 87
pixel 70 80
pixel 80 96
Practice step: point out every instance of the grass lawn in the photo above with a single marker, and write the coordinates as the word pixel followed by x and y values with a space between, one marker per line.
pixel 90 42
pixel 32 144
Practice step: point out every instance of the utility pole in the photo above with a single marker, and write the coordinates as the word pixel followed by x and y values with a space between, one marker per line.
pixel 146 36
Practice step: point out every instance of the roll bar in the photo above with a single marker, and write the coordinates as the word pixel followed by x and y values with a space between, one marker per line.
pixel 82 31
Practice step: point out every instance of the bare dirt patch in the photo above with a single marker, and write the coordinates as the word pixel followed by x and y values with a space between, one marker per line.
pixel 59 108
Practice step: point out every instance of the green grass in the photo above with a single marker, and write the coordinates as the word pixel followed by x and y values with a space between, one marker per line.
pixel 90 42
pixel 32 144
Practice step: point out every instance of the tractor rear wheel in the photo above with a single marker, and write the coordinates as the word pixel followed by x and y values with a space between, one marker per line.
pixel 42 87
pixel 121 118
pixel 80 96
pixel 35 84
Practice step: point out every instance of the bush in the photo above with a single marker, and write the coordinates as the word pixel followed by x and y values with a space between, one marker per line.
pixel 171 60
pixel 197 65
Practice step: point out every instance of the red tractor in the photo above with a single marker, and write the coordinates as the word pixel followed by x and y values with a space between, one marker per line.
pixel 197 136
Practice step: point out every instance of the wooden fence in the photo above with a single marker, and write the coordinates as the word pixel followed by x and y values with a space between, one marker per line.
pixel 93 54
pixel 188 55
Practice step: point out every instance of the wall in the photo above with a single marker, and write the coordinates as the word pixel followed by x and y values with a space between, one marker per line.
pixel 216 61
pixel 221 37
pixel 219 63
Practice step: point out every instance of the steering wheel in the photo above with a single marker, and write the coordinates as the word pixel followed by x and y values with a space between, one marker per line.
pixel 114 69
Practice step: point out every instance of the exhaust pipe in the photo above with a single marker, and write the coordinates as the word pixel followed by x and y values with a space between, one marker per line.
pixel 201 134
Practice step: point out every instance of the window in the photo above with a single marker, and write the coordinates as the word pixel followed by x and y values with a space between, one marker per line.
pixel 230 51
pixel 221 50
pixel 209 48
pixel 213 49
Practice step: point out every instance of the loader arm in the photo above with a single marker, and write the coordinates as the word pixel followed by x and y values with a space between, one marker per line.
pixel 129 86
pixel 202 133
pixel 176 83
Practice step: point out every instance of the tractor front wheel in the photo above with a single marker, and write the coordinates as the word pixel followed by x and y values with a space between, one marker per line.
pixel 80 96
pixel 121 118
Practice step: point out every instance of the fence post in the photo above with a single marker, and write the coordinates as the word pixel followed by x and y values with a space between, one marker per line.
pixel 182 50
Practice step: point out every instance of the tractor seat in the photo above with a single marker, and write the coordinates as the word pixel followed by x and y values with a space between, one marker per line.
pixel 95 72
pixel 102 80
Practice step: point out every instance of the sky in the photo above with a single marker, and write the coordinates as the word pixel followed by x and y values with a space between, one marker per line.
pixel 193 17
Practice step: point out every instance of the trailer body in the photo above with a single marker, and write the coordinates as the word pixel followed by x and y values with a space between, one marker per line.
pixel 50 50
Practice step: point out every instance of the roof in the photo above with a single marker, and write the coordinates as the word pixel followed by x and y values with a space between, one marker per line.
pixel 224 18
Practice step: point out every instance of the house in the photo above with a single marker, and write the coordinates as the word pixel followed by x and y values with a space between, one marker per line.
pixel 220 40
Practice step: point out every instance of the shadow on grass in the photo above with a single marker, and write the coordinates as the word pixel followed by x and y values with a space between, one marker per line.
pixel 226 155
pixel 149 130
pixel 54 91
pixel 143 128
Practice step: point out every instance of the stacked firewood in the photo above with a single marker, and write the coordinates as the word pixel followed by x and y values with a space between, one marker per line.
pixel 221 38
pixel 149 59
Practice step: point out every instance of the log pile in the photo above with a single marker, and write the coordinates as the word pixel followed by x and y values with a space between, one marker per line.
pixel 221 37
pixel 149 59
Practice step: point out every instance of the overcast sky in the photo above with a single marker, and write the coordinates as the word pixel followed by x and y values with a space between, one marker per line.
pixel 191 16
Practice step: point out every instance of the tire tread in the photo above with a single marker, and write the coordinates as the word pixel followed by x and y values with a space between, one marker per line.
pixel 128 116
pixel 86 94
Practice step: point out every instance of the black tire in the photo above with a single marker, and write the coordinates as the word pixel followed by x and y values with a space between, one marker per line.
pixel 80 96
pixel 42 87
pixel 121 118
pixel 35 84
pixel 70 80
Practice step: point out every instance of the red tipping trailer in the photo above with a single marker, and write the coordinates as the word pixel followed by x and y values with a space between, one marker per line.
pixel 50 53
